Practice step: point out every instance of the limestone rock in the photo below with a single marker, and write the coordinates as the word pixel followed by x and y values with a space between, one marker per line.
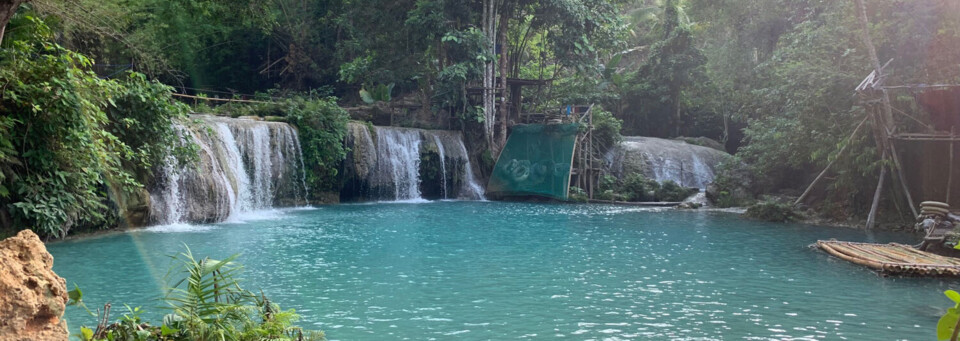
pixel 686 164
pixel 363 152
pixel 735 188
pixel 704 142
pixel 32 296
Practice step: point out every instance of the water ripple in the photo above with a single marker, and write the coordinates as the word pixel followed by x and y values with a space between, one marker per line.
pixel 508 270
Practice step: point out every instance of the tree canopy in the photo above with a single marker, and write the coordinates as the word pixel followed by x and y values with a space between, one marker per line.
pixel 772 80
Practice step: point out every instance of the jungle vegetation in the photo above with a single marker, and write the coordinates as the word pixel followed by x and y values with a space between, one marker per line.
pixel 771 80
pixel 205 302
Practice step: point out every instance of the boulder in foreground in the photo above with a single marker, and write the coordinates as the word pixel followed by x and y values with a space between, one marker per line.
pixel 32 296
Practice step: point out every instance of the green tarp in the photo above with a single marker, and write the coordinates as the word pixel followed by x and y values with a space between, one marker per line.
pixel 535 161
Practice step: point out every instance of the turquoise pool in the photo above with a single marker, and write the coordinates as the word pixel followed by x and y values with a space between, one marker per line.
pixel 491 270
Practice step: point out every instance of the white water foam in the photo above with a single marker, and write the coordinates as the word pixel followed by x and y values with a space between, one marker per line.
pixel 443 166
pixel 246 167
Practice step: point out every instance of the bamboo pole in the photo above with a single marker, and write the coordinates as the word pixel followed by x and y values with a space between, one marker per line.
pixel 950 174
pixel 871 218
pixel 590 151
pixel 874 59
pixel 903 179
pixel 827 168
pixel 938 266
pixel 868 263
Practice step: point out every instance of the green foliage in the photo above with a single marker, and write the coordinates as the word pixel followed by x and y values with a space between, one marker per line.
pixel 606 129
pixel 788 78
pixel 733 185
pixel 64 133
pixel 608 189
pixel 143 118
pixel 636 187
pixel 672 67
pixel 773 211
pixel 322 126
pixel 577 194
pixel 948 322
pixel 671 191
pixel 206 303
pixel 379 93
pixel 466 54
pixel 355 70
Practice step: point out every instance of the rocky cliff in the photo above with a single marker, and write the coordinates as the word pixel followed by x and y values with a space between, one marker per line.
pixel 32 296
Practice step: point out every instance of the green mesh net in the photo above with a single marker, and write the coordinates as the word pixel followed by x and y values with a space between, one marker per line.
pixel 535 161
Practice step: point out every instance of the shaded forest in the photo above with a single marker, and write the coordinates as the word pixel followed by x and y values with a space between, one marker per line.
pixel 773 81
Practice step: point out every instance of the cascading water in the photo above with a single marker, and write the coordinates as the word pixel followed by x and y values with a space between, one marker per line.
pixel 399 153
pixel 443 165
pixel 665 160
pixel 472 189
pixel 244 166
pixel 385 164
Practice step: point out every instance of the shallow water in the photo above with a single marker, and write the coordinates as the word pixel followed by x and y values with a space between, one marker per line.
pixel 489 270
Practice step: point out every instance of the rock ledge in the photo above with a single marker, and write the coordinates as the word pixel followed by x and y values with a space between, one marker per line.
pixel 32 296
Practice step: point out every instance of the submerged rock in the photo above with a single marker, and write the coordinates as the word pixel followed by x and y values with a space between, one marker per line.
pixel 32 296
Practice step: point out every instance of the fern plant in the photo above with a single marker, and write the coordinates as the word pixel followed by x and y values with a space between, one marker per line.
pixel 207 304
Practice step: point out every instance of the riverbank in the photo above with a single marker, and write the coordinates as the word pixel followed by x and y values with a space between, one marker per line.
pixel 807 219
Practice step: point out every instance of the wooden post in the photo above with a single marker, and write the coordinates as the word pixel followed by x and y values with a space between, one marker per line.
pixel 898 167
pixel 871 218
pixel 875 62
pixel 950 174
pixel 590 151
pixel 827 168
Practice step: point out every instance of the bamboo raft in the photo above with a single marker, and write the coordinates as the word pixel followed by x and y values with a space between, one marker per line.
pixel 893 259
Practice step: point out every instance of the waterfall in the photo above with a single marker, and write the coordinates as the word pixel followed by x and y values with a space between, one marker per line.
pixel 399 153
pixel 386 163
pixel 472 189
pixel 443 165
pixel 664 160
pixel 244 166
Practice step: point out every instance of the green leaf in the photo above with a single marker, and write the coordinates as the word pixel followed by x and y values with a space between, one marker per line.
pixel 946 324
pixel 366 97
pixel 167 331
pixel 952 295
pixel 86 333
pixel 75 295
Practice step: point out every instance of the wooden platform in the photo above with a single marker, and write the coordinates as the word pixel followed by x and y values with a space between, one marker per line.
pixel 893 259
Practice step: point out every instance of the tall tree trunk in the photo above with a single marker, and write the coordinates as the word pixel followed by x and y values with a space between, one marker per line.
pixel 7 9
pixel 677 121
pixel 502 109
pixel 489 115
pixel 874 59
pixel 886 119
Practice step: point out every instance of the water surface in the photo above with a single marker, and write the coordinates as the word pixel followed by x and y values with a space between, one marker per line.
pixel 488 270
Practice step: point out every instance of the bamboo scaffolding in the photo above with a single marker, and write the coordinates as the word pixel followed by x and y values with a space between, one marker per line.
pixel 950 174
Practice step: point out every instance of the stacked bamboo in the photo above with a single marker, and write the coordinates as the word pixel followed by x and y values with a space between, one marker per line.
pixel 893 258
